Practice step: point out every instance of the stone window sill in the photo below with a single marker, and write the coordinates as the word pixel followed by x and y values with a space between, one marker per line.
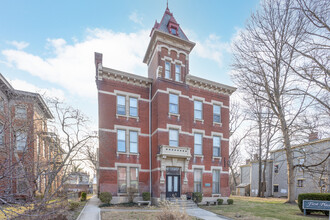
pixel 198 155
pixel 174 114
pixel 128 154
pixel 217 123
pixel 127 117
pixel 216 195
pixel 200 120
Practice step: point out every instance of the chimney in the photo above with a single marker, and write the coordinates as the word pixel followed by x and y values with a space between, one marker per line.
pixel 313 136
pixel 98 60
pixel 247 161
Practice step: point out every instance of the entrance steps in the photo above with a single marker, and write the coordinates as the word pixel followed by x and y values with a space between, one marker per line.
pixel 182 203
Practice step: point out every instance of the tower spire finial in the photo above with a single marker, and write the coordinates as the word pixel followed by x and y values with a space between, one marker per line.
pixel 167 4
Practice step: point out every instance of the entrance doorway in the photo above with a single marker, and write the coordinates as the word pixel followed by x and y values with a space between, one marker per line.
pixel 173 182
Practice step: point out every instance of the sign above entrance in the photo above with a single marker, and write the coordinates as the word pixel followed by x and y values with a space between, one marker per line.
pixel 172 170
pixel 207 184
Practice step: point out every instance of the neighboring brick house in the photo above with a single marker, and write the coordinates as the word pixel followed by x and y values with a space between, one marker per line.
pixel 77 182
pixel 24 145
pixel 306 181
pixel 167 134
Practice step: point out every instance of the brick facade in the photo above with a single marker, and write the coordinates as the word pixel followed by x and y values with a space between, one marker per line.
pixel 167 58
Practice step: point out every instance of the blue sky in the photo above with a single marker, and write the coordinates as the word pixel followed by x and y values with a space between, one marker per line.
pixel 47 46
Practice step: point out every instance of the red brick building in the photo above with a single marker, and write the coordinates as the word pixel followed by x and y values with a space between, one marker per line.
pixel 167 134
pixel 26 150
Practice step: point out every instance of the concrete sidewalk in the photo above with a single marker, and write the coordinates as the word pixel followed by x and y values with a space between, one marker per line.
pixel 91 210
pixel 204 214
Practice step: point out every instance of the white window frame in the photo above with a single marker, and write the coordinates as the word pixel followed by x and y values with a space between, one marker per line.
pixel 178 73
pixel 137 104
pixel 216 182
pixel 197 110
pixel 200 182
pixel 18 134
pixel 196 145
pixel 131 142
pixel 167 70
pixel 169 137
pixel 22 114
pixel 214 146
pixel 117 102
pixel 216 114
pixel 171 103
pixel 118 131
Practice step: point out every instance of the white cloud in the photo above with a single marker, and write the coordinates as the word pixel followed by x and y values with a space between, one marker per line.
pixel 136 18
pixel 19 45
pixel 72 66
pixel 212 48
pixel 45 92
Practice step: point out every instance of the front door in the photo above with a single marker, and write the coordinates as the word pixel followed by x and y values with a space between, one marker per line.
pixel 172 185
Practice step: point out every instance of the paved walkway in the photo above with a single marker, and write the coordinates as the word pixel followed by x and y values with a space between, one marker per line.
pixel 204 214
pixel 91 210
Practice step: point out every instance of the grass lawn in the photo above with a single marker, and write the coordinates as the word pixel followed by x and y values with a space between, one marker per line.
pixel 129 215
pixel 261 208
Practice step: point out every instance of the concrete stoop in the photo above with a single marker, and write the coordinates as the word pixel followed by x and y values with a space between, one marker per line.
pixel 182 203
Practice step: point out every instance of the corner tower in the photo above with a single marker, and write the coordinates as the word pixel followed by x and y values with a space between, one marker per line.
pixel 167 55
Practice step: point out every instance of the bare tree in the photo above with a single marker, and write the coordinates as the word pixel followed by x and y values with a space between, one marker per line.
pixel 263 54
pixel 57 151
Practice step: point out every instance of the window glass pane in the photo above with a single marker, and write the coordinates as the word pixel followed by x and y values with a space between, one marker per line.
pixel 121 105
pixel 198 138
pixel 176 179
pixel 197 105
pixel 133 138
pixel 216 141
pixel 133 102
pixel 121 140
pixel 198 114
pixel 177 72
pixel 134 174
pixel 216 109
pixel 173 136
pixel 122 179
pixel 21 140
pixel 169 184
pixel 197 175
pixel 167 70
pixel 20 112
pixel 121 100
pixel 216 151
pixel 174 99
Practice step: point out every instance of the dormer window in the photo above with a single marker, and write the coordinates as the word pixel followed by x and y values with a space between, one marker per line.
pixel 173 31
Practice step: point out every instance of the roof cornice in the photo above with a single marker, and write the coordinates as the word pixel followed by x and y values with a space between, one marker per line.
pixel 303 145
pixel 209 85
pixel 118 75
pixel 161 36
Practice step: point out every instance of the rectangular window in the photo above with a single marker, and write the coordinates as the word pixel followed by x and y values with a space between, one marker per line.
pixel 276 168
pixel 216 181
pixel 121 105
pixel 300 183
pixel 121 141
pixel 133 107
pixel 174 104
pixel 198 144
pixel 275 188
pixel 198 180
pixel 2 135
pixel 216 113
pixel 2 104
pixel 43 149
pixel 216 146
pixel 20 112
pixel 122 180
pixel 174 138
pixel 167 70
pixel 134 178
pixel 133 142
pixel 198 110
pixel 177 72
pixel 21 140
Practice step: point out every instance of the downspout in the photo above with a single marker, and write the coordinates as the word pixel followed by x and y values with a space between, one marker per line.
pixel 150 152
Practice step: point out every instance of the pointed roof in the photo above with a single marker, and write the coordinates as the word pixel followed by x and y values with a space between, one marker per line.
pixel 167 19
